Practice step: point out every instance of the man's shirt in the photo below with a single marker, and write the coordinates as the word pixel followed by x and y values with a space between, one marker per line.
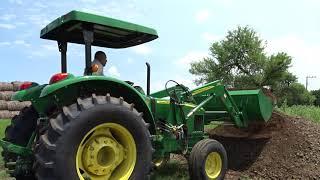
pixel 100 68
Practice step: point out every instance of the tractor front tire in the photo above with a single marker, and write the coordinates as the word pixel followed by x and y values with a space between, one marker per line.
pixel 208 161
pixel 99 137
pixel 19 132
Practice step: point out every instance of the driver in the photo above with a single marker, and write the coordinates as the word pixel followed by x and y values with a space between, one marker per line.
pixel 100 60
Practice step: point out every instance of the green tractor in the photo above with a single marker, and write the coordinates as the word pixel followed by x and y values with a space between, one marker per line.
pixel 98 127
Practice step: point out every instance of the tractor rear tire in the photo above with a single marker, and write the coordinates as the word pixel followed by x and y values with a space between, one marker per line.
pixel 208 161
pixel 90 136
pixel 19 132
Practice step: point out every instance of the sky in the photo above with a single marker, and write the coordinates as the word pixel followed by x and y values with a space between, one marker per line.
pixel 186 29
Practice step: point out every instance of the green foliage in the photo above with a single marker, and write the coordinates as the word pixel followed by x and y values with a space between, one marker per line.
pixel 316 93
pixel 295 94
pixel 308 112
pixel 240 60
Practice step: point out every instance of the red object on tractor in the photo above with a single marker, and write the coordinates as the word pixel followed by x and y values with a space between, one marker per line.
pixel 58 77
pixel 25 85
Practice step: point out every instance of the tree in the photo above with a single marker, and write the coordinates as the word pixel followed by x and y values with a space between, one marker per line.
pixel 240 60
pixel 316 93
pixel 295 94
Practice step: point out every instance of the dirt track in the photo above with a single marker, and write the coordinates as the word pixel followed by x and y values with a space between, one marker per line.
pixel 292 151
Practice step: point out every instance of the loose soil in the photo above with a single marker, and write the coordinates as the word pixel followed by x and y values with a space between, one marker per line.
pixel 285 148
pixel 290 151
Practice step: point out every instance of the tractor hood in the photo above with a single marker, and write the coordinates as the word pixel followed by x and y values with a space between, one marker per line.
pixel 108 32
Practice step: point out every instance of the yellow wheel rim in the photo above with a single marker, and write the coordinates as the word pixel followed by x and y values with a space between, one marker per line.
pixel 213 165
pixel 108 151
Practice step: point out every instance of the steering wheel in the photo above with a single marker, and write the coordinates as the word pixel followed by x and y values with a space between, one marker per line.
pixel 173 94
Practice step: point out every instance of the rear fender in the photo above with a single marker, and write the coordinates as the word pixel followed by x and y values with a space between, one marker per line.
pixel 66 92
pixel 31 94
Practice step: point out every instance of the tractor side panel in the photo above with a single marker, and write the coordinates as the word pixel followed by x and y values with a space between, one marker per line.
pixel 31 94
pixel 66 92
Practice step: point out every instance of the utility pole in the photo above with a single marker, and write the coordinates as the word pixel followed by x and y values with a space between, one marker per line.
pixel 307 80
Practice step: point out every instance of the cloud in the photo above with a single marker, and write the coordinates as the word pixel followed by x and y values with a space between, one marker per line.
pixel 130 60
pixel 210 37
pixel 5 43
pixel 22 42
pixel 37 54
pixel 50 47
pixel 89 1
pixel 226 3
pixel 8 17
pixel 113 71
pixel 44 50
pixel 114 9
pixel 19 2
pixel 305 56
pixel 202 16
pixel 142 49
pixel 40 5
pixel 190 57
pixel 186 81
pixel 159 85
pixel 7 26
pixel 16 42
pixel 40 20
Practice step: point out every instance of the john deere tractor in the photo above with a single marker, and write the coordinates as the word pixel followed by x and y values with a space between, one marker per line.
pixel 99 127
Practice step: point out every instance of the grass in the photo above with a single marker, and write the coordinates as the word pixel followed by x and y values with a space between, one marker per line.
pixel 171 171
pixel 3 124
pixel 307 112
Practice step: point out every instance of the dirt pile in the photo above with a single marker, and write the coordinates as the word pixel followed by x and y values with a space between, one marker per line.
pixel 292 151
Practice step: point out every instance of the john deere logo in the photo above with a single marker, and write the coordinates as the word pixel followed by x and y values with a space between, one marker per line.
pixel 163 101
pixel 202 90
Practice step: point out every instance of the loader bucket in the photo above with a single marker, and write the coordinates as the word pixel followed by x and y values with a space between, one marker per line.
pixel 254 104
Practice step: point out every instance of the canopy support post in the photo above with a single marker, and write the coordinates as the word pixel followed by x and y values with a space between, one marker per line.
pixel 62 45
pixel 88 39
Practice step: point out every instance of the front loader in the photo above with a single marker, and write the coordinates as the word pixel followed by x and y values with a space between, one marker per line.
pixel 99 127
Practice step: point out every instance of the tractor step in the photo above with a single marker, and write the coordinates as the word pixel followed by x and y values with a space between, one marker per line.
pixel 11 164
pixel 9 171
pixel 10 147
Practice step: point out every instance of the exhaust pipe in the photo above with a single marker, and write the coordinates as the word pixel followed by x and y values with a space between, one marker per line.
pixel 148 78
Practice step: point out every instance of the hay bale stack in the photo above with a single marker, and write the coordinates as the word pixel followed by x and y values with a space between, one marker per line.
pixel 4 86
pixel 5 114
pixel 16 105
pixel 8 108
pixel 6 95
pixel 14 113
pixel 3 105
pixel 16 85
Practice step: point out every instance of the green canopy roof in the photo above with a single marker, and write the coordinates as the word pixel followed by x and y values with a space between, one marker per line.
pixel 108 32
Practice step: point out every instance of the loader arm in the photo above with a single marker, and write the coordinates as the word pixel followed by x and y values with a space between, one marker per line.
pixel 217 91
